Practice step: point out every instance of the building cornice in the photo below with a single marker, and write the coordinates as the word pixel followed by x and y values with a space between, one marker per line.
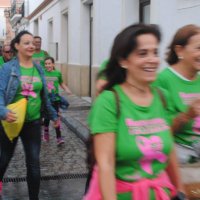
pixel 44 4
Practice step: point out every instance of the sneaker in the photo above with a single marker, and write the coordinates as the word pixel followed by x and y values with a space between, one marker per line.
pixel 60 141
pixel 1 187
pixel 46 137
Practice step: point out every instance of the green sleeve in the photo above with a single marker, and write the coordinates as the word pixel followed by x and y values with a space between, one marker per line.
pixel 103 117
pixel 46 54
pixel 102 67
pixel 60 79
pixel 161 83
pixel 168 107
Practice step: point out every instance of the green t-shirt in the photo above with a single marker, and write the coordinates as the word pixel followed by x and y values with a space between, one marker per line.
pixel 182 93
pixel 31 86
pixel 53 79
pixel 143 139
pixel 1 61
pixel 40 57
pixel 102 67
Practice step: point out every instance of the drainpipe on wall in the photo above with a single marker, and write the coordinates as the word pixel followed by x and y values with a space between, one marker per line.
pixel 90 59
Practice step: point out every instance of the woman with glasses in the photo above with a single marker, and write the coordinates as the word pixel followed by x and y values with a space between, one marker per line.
pixel 7 54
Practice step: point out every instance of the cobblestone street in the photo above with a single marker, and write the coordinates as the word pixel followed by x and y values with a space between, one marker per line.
pixel 55 160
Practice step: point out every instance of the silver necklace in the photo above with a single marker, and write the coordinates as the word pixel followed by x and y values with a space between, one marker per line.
pixel 141 90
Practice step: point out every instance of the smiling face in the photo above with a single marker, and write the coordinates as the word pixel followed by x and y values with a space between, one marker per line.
pixel 191 53
pixel 143 62
pixel 49 65
pixel 25 47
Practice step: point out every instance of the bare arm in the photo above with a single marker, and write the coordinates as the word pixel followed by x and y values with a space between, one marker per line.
pixel 174 173
pixel 65 88
pixel 100 83
pixel 104 147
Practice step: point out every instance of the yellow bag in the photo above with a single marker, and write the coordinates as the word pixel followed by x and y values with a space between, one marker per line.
pixel 13 129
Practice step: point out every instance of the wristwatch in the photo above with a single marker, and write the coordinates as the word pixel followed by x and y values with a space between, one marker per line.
pixel 180 196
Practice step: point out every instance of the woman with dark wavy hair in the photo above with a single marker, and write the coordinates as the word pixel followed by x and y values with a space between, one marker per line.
pixel 133 145
pixel 22 78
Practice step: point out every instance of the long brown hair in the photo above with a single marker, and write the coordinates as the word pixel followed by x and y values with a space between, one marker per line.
pixel 124 44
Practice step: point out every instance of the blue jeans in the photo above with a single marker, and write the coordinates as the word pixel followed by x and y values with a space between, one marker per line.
pixel 31 140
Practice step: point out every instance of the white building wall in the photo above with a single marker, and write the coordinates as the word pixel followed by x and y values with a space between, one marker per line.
pixel 33 4
pixel 74 31
pixel 188 13
pixel 164 13
pixel 171 15
pixel 2 24
pixel 51 13
pixel 84 34
pixel 130 12
pixel 109 17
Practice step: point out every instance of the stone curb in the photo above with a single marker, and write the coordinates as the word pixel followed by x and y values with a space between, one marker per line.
pixel 78 128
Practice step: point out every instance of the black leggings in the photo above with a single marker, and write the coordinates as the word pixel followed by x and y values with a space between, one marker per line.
pixel 56 105
pixel 31 139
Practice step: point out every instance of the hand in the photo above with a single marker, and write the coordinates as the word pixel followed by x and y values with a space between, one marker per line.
pixel 100 84
pixel 194 109
pixel 66 92
pixel 11 117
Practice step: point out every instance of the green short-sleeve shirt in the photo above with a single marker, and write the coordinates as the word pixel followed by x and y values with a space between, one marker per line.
pixel 143 138
pixel 40 57
pixel 1 61
pixel 31 86
pixel 53 79
pixel 102 67
pixel 182 93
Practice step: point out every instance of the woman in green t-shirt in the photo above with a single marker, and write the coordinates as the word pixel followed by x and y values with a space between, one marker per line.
pixel 54 80
pixel 21 78
pixel 133 145
pixel 182 81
